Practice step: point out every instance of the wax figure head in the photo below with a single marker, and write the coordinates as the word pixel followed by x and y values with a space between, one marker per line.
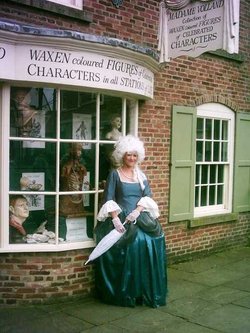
pixel 76 150
pixel 18 208
pixel 116 122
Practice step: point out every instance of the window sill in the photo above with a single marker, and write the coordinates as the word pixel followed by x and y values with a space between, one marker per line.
pixel 57 9
pixel 207 220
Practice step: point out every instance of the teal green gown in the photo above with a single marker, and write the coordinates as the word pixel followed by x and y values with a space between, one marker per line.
pixel 133 271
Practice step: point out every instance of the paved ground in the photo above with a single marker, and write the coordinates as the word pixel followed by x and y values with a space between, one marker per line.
pixel 208 295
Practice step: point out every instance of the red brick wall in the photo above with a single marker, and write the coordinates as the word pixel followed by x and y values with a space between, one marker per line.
pixel 183 81
pixel 187 243
pixel 43 277
pixel 135 21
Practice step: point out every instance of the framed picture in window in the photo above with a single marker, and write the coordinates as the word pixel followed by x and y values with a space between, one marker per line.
pixel 81 128
pixel 33 181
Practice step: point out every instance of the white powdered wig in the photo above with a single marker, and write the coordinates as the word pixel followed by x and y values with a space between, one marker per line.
pixel 128 144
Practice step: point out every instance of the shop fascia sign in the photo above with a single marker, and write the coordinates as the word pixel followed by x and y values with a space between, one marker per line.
pixel 33 63
pixel 190 28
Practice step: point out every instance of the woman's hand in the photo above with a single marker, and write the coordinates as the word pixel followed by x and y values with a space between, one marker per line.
pixel 118 225
pixel 133 215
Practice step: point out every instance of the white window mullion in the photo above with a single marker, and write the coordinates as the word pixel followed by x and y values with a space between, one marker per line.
pixel 216 183
pixel 97 150
pixel 58 147
pixel 124 110
pixel 5 144
pixel 204 141
pixel 200 172
pixel 208 180
pixel 212 142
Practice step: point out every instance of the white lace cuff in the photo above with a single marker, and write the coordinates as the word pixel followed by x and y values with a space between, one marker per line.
pixel 150 206
pixel 106 209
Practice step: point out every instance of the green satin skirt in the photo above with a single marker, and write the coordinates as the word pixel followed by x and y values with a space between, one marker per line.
pixel 134 270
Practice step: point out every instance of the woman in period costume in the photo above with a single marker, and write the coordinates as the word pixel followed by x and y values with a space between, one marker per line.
pixel 133 271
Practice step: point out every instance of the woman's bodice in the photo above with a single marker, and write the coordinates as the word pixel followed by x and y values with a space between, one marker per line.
pixel 125 194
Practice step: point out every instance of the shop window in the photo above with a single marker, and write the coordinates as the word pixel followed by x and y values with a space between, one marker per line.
pixel 209 177
pixel 59 151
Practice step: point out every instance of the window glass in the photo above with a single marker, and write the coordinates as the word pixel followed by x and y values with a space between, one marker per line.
pixel 212 174
pixel 220 194
pixel 211 195
pixel 200 128
pixel 197 196
pixel 32 219
pixel 220 173
pixel 199 151
pixel 203 195
pixel 204 177
pixel 208 128
pixel 217 129
pixel 78 116
pixel 111 117
pixel 111 128
pixel 32 166
pixel 224 130
pixel 216 151
pixel 208 151
pixel 32 112
pixel 224 156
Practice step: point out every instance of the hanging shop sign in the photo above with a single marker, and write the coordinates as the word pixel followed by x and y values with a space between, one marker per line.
pixel 76 68
pixel 191 28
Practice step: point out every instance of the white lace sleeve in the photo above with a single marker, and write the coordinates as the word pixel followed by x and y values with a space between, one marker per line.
pixel 150 206
pixel 106 209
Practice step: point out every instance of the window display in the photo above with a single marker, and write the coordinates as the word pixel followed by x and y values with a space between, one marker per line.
pixel 72 177
pixel 59 157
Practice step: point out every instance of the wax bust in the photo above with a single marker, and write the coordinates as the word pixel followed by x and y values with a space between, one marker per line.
pixel 115 123
pixel 18 213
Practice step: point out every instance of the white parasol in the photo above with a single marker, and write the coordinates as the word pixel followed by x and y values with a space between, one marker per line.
pixel 105 244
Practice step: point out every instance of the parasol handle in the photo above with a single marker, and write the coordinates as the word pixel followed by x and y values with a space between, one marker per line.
pixel 126 221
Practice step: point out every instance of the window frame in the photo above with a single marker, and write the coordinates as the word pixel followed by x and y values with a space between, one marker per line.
pixel 5 246
pixel 221 112
pixel 78 3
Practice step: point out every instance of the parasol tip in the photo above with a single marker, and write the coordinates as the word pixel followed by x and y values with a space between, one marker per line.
pixel 87 262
